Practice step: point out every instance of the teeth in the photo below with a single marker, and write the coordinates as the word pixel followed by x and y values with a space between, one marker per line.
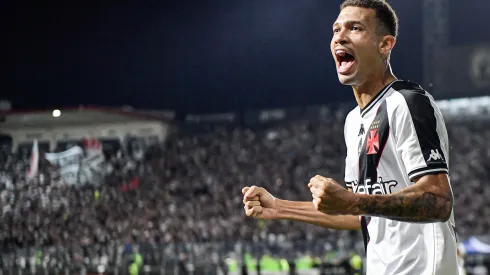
pixel 340 53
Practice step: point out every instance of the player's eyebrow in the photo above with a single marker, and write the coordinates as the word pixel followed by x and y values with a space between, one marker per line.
pixel 348 23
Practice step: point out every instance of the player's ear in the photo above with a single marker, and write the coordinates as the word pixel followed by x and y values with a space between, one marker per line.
pixel 386 44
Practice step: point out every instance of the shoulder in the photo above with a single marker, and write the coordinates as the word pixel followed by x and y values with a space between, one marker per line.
pixel 352 121
pixel 407 92
pixel 353 116
pixel 411 97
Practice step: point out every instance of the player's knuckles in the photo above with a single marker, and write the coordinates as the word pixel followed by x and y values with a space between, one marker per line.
pixel 253 210
pixel 256 199
pixel 314 191
pixel 246 209
pixel 249 212
pixel 316 204
pixel 311 183
pixel 317 191
pixel 315 179
pixel 314 196
pixel 322 178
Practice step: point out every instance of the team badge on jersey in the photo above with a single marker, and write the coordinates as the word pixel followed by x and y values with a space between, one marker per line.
pixel 372 142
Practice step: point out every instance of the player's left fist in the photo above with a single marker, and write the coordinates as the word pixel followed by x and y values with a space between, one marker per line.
pixel 330 197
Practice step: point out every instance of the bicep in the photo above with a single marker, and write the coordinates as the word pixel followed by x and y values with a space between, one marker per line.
pixel 437 184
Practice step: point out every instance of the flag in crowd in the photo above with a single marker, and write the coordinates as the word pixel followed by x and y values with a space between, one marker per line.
pixel 34 162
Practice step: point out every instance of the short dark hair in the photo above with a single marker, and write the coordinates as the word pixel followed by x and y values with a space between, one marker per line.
pixel 385 15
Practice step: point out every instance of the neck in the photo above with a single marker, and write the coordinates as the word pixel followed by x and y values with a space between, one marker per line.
pixel 366 91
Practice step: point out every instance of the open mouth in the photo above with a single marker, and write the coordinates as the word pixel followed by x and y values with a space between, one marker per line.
pixel 345 61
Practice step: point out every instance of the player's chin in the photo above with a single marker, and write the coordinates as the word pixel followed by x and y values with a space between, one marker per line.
pixel 346 79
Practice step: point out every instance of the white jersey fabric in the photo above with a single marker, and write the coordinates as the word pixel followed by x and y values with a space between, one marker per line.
pixel 397 137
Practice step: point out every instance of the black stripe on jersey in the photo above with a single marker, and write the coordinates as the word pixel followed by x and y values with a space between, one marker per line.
pixel 376 99
pixel 425 124
pixel 376 138
pixel 365 233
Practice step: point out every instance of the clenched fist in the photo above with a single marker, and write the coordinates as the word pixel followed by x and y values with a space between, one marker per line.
pixel 330 197
pixel 259 203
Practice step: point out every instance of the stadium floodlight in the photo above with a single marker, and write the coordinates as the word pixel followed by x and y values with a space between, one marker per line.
pixel 56 113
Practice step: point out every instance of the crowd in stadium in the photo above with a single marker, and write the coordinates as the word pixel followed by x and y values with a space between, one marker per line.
pixel 189 188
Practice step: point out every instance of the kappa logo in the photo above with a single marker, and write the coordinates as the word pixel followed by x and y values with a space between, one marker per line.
pixel 434 155
pixel 361 131
pixel 374 188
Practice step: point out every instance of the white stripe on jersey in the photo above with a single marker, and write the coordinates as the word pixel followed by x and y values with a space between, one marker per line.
pixel 405 137
pixel 430 171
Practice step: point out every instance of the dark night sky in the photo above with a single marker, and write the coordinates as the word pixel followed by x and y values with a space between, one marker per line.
pixel 189 56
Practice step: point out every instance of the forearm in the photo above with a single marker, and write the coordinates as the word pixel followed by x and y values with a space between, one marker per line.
pixel 412 204
pixel 306 212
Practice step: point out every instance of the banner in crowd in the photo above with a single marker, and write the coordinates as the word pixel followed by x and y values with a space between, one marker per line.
pixel 69 163
pixel 91 172
pixel 77 167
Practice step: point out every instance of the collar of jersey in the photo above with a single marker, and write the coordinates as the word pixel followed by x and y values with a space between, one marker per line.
pixel 376 99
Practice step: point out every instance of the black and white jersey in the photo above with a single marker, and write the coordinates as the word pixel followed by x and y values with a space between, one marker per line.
pixel 399 136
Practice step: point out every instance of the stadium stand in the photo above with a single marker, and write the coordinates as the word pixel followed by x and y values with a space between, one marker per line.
pixel 177 204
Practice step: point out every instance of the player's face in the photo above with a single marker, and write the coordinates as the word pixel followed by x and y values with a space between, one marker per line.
pixel 355 45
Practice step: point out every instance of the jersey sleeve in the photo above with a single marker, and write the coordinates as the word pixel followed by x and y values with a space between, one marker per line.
pixel 420 135
pixel 349 175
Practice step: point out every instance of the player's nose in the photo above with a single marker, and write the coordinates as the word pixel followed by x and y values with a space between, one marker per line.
pixel 341 37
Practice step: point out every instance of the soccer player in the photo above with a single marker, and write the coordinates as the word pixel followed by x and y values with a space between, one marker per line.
pixel 396 170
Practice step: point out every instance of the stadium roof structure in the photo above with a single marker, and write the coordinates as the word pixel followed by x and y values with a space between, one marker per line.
pixel 76 116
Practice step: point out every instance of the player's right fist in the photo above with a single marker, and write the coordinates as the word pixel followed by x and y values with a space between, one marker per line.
pixel 259 203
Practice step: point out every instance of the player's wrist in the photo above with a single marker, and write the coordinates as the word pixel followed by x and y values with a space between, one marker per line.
pixel 279 206
pixel 356 201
